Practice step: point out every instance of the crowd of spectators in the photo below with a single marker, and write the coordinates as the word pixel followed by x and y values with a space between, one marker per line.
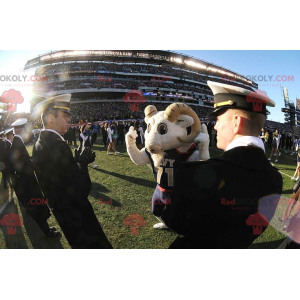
pixel 100 111
pixel 123 68
pixel 87 82
pixel 71 69
pixel 280 126
pixel 90 112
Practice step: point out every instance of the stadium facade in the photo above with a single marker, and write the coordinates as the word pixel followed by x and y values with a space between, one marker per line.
pixel 107 75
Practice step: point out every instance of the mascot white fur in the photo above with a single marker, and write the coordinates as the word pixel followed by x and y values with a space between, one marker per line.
pixel 167 144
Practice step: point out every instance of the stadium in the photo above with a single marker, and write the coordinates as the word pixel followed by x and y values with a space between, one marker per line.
pixel 98 82
pixel 102 78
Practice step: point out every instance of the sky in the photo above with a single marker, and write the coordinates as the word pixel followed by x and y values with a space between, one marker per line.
pixel 270 70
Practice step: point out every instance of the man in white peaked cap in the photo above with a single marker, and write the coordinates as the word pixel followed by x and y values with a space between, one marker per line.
pixel 65 179
pixel 228 201
pixel 24 181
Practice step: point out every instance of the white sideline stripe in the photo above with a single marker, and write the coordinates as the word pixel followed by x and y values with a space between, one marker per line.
pixel 285 174
pixel 5 204
pixel 289 157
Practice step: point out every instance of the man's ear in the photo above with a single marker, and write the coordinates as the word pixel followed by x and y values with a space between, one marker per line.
pixel 237 123
pixel 50 118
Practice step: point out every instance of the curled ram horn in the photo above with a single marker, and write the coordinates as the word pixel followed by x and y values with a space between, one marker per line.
pixel 150 111
pixel 174 110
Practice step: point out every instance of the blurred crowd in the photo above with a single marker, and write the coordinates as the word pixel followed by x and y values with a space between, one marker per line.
pixel 87 82
pixel 100 111
pixel 67 71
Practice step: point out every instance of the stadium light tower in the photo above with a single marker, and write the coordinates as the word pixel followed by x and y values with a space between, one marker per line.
pixel 290 112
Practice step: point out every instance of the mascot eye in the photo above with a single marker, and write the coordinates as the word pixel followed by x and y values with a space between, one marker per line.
pixel 162 128
pixel 149 128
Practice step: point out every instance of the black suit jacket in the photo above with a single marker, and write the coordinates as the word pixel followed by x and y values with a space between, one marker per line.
pixel 25 183
pixel 67 187
pixel 2 146
pixel 212 200
pixel 58 173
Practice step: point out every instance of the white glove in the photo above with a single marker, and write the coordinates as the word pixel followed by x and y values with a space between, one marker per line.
pixel 202 141
pixel 131 136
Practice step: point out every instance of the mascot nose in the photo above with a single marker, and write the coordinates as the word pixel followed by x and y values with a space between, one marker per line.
pixel 155 149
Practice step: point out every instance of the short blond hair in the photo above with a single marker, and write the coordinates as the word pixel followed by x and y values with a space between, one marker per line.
pixel 254 121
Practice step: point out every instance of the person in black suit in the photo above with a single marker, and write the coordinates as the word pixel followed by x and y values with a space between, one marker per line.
pixel 104 134
pixel 5 166
pixel 121 137
pixel 24 181
pixel 64 179
pixel 72 137
pixel 2 163
pixel 227 202
pixel 210 127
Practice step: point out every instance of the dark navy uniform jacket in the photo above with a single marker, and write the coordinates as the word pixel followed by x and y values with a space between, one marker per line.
pixel 212 200
pixel 67 187
pixel 24 181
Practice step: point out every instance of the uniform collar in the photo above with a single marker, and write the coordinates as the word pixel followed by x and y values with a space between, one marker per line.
pixel 16 135
pixel 245 141
pixel 51 130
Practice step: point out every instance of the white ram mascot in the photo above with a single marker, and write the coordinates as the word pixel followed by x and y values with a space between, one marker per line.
pixel 167 144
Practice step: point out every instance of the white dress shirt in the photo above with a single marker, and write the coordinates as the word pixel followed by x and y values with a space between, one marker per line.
pixel 55 133
pixel 246 140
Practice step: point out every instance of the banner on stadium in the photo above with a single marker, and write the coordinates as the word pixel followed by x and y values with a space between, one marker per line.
pixel 150 94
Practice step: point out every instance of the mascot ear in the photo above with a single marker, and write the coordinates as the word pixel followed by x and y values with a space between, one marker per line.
pixel 149 111
pixel 184 121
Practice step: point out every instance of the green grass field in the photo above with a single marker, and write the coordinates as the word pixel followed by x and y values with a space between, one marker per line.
pixel 130 188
